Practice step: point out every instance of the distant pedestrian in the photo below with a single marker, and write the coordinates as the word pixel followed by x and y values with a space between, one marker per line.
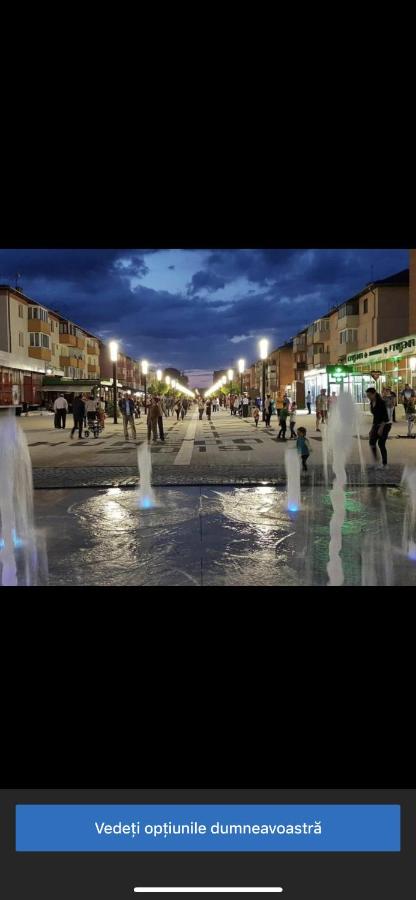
pixel 246 404
pixel 177 409
pixel 201 407
pixel 410 416
pixel 127 411
pixel 160 404
pixel 389 401
pixel 308 402
pixel 303 447
pixel 153 414
pixel 268 410
pixel 406 394
pixel 256 415
pixel 60 408
pixel 208 409
pixel 78 410
pixel 381 425
pixel 183 410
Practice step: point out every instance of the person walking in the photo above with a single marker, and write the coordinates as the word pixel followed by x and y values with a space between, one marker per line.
pixel 389 401
pixel 303 447
pixel 410 416
pixel 183 410
pixel 292 421
pixel 406 394
pixel 308 402
pixel 208 409
pixel 153 414
pixel 256 415
pixel 267 411
pixel 201 407
pixel 177 409
pixel 283 414
pixel 78 410
pixel 127 411
pixel 381 426
pixel 245 407
pixel 60 408
pixel 159 402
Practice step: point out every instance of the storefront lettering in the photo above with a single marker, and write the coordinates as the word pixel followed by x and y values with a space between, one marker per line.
pixel 372 352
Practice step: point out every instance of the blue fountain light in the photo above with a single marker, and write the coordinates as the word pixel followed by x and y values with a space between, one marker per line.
pixel 412 553
pixel 146 503
pixel 293 507
pixel 17 542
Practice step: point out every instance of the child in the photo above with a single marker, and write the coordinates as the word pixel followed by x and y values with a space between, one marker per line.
pixel 303 447
pixel 256 415
pixel 283 414
pixel 292 421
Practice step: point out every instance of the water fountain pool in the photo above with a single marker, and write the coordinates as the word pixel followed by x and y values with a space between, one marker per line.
pixel 22 550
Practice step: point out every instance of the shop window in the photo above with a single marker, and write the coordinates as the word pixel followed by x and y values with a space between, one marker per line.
pixel 21 339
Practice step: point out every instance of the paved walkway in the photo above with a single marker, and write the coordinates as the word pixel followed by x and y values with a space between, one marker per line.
pixel 226 450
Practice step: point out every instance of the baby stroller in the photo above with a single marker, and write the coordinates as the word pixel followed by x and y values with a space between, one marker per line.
pixel 93 425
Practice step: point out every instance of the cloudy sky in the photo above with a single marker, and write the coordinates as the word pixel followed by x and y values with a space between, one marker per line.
pixel 196 310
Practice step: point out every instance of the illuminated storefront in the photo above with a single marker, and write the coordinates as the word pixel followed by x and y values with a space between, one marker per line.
pixel 337 379
pixel 392 363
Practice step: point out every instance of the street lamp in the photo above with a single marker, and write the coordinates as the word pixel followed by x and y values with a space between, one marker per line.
pixel 145 367
pixel 264 345
pixel 241 367
pixel 167 379
pixel 159 374
pixel 113 357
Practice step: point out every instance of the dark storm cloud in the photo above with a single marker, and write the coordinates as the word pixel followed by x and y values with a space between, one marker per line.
pixel 270 293
pixel 207 280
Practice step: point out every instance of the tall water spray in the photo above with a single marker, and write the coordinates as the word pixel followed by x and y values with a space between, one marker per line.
pixel 144 461
pixel 340 438
pixel 292 466
pixel 19 557
pixel 409 523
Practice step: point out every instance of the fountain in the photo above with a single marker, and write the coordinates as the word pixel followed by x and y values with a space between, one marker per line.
pixel 340 438
pixel 409 532
pixel 147 498
pixel 292 466
pixel 21 558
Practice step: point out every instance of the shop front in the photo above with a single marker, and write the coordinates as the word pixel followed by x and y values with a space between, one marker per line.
pixel 392 364
pixel 338 379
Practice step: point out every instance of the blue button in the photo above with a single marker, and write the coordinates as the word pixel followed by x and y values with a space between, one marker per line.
pixel 196 828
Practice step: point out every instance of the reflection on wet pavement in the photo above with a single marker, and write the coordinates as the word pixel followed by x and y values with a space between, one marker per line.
pixel 215 536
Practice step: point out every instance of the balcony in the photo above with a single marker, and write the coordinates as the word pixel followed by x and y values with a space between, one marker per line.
pixel 300 365
pixel 349 347
pixel 38 325
pixel 299 344
pixel 80 342
pixel 348 322
pixel 68 339
pixel 40 353
pixel 92 348
pixel 92 369
pixel 321 359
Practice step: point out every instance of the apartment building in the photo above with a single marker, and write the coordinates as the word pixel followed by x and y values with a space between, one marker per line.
pixel 338 355
pixel 41 351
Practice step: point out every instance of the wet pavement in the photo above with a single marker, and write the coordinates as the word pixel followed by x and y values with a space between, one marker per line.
pixel 220 536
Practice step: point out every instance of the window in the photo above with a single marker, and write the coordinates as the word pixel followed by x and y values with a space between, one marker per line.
pixel 20 312
pixel 365 305
pixel 349 336
pixel 39 340
pixel 36 312
pixel 21 339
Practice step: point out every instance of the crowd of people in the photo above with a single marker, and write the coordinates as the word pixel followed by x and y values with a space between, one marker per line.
pixel 88 410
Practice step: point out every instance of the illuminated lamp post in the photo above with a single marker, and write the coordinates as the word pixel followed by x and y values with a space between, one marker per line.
pixel 241 367
pixel 145 367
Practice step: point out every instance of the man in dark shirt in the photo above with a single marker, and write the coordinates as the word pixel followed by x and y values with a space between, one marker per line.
pixel 381 425
pixel 78 409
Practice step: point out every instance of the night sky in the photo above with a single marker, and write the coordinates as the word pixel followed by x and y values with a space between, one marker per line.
pixel 196 310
